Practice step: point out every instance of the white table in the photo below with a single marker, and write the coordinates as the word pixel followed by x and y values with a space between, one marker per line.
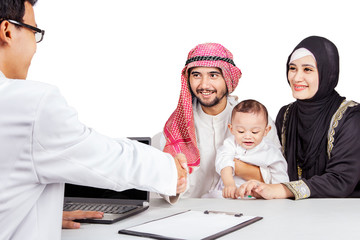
pixel 282 219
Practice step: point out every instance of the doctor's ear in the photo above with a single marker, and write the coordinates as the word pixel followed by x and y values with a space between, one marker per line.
pixel 5 32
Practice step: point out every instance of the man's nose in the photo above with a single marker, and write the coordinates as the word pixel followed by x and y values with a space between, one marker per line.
pixel 205 82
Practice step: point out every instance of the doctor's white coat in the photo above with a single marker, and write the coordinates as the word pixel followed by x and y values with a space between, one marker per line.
pixel 43 145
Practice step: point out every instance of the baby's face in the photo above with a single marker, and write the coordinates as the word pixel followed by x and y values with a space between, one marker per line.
pixel 249 129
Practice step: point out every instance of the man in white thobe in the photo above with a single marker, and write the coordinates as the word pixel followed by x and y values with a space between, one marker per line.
pixel 199 125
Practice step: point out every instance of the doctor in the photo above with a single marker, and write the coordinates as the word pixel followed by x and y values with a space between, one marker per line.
pixel 43 145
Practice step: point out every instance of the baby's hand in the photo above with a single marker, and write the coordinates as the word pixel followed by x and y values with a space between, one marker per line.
pixel 229 191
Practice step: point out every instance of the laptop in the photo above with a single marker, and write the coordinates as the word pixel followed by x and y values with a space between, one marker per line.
pixel 115 205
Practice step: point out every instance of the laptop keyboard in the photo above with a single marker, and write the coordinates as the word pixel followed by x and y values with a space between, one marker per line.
pixel 106 208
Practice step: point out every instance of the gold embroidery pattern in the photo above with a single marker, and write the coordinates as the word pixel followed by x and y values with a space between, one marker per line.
pixel 299 189
pixel 283 139
pixel 335 121
pixel 299 172
pixel 283 130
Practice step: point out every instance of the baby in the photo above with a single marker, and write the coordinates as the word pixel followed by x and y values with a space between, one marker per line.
pixel 249 125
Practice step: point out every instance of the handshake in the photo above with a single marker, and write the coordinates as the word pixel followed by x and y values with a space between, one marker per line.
pixel 182 170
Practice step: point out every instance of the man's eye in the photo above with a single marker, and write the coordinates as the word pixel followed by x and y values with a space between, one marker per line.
pixel 255 132
pixel 240 131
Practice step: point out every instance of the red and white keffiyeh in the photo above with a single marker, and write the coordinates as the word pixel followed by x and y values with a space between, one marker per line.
pixel 179 130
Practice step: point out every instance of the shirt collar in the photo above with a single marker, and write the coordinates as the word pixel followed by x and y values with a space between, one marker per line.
pixel 224 115
pixel 2 76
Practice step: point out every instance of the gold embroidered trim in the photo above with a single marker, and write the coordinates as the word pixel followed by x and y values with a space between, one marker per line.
pixel 283 130
pixel 299 189
pixel 283 140
pixel 299 172
pixel 335 121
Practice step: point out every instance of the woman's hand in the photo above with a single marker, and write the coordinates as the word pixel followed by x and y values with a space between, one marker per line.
pixel 247 171
pixel 262 190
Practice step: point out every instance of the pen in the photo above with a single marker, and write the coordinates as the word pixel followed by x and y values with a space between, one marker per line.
pixel 227 213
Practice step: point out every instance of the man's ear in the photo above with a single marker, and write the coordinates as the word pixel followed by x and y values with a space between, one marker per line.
pixel 5 32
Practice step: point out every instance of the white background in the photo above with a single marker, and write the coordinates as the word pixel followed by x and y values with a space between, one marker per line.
pixel 119 62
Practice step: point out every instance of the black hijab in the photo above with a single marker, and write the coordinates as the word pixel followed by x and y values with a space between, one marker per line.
pixel 308 120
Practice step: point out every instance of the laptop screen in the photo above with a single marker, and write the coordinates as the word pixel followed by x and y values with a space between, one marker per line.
pixel 77 191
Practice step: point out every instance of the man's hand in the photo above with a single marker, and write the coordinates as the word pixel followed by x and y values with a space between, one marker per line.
pixel 181 166
pixel 68 218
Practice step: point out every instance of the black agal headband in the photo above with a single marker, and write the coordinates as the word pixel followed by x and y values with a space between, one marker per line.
pixel 209 58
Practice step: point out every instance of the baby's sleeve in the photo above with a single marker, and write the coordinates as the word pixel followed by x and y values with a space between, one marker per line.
pixel 225 155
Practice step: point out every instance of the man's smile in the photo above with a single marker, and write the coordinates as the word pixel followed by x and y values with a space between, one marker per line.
pixel 205 92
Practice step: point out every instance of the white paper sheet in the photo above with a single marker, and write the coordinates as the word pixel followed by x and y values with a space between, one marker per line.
pixel 191 225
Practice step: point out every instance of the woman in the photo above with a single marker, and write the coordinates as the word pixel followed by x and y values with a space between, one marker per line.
pixel 318 131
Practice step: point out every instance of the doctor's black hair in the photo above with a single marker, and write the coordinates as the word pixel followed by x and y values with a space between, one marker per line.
pixel 14 9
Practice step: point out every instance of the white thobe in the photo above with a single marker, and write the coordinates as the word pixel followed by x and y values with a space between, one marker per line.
pixel 43 145
pixel 211 131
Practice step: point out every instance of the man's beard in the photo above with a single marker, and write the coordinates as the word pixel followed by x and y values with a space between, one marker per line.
pixel 213 102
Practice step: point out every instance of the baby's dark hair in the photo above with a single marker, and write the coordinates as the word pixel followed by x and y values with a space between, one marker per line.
pixel 250 106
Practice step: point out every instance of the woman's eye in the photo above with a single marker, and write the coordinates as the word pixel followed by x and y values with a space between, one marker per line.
pixel 292 68
pixel 255 132
pixel 240 131
pixel 308 70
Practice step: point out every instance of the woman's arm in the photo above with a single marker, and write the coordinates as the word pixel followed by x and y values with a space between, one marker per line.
pixel 247 171
pixel 342 173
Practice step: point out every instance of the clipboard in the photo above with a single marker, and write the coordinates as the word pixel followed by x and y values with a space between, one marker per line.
pixel 191 225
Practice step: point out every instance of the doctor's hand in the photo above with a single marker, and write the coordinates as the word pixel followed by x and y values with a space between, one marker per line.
pixel 69 216
pixel 181 166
